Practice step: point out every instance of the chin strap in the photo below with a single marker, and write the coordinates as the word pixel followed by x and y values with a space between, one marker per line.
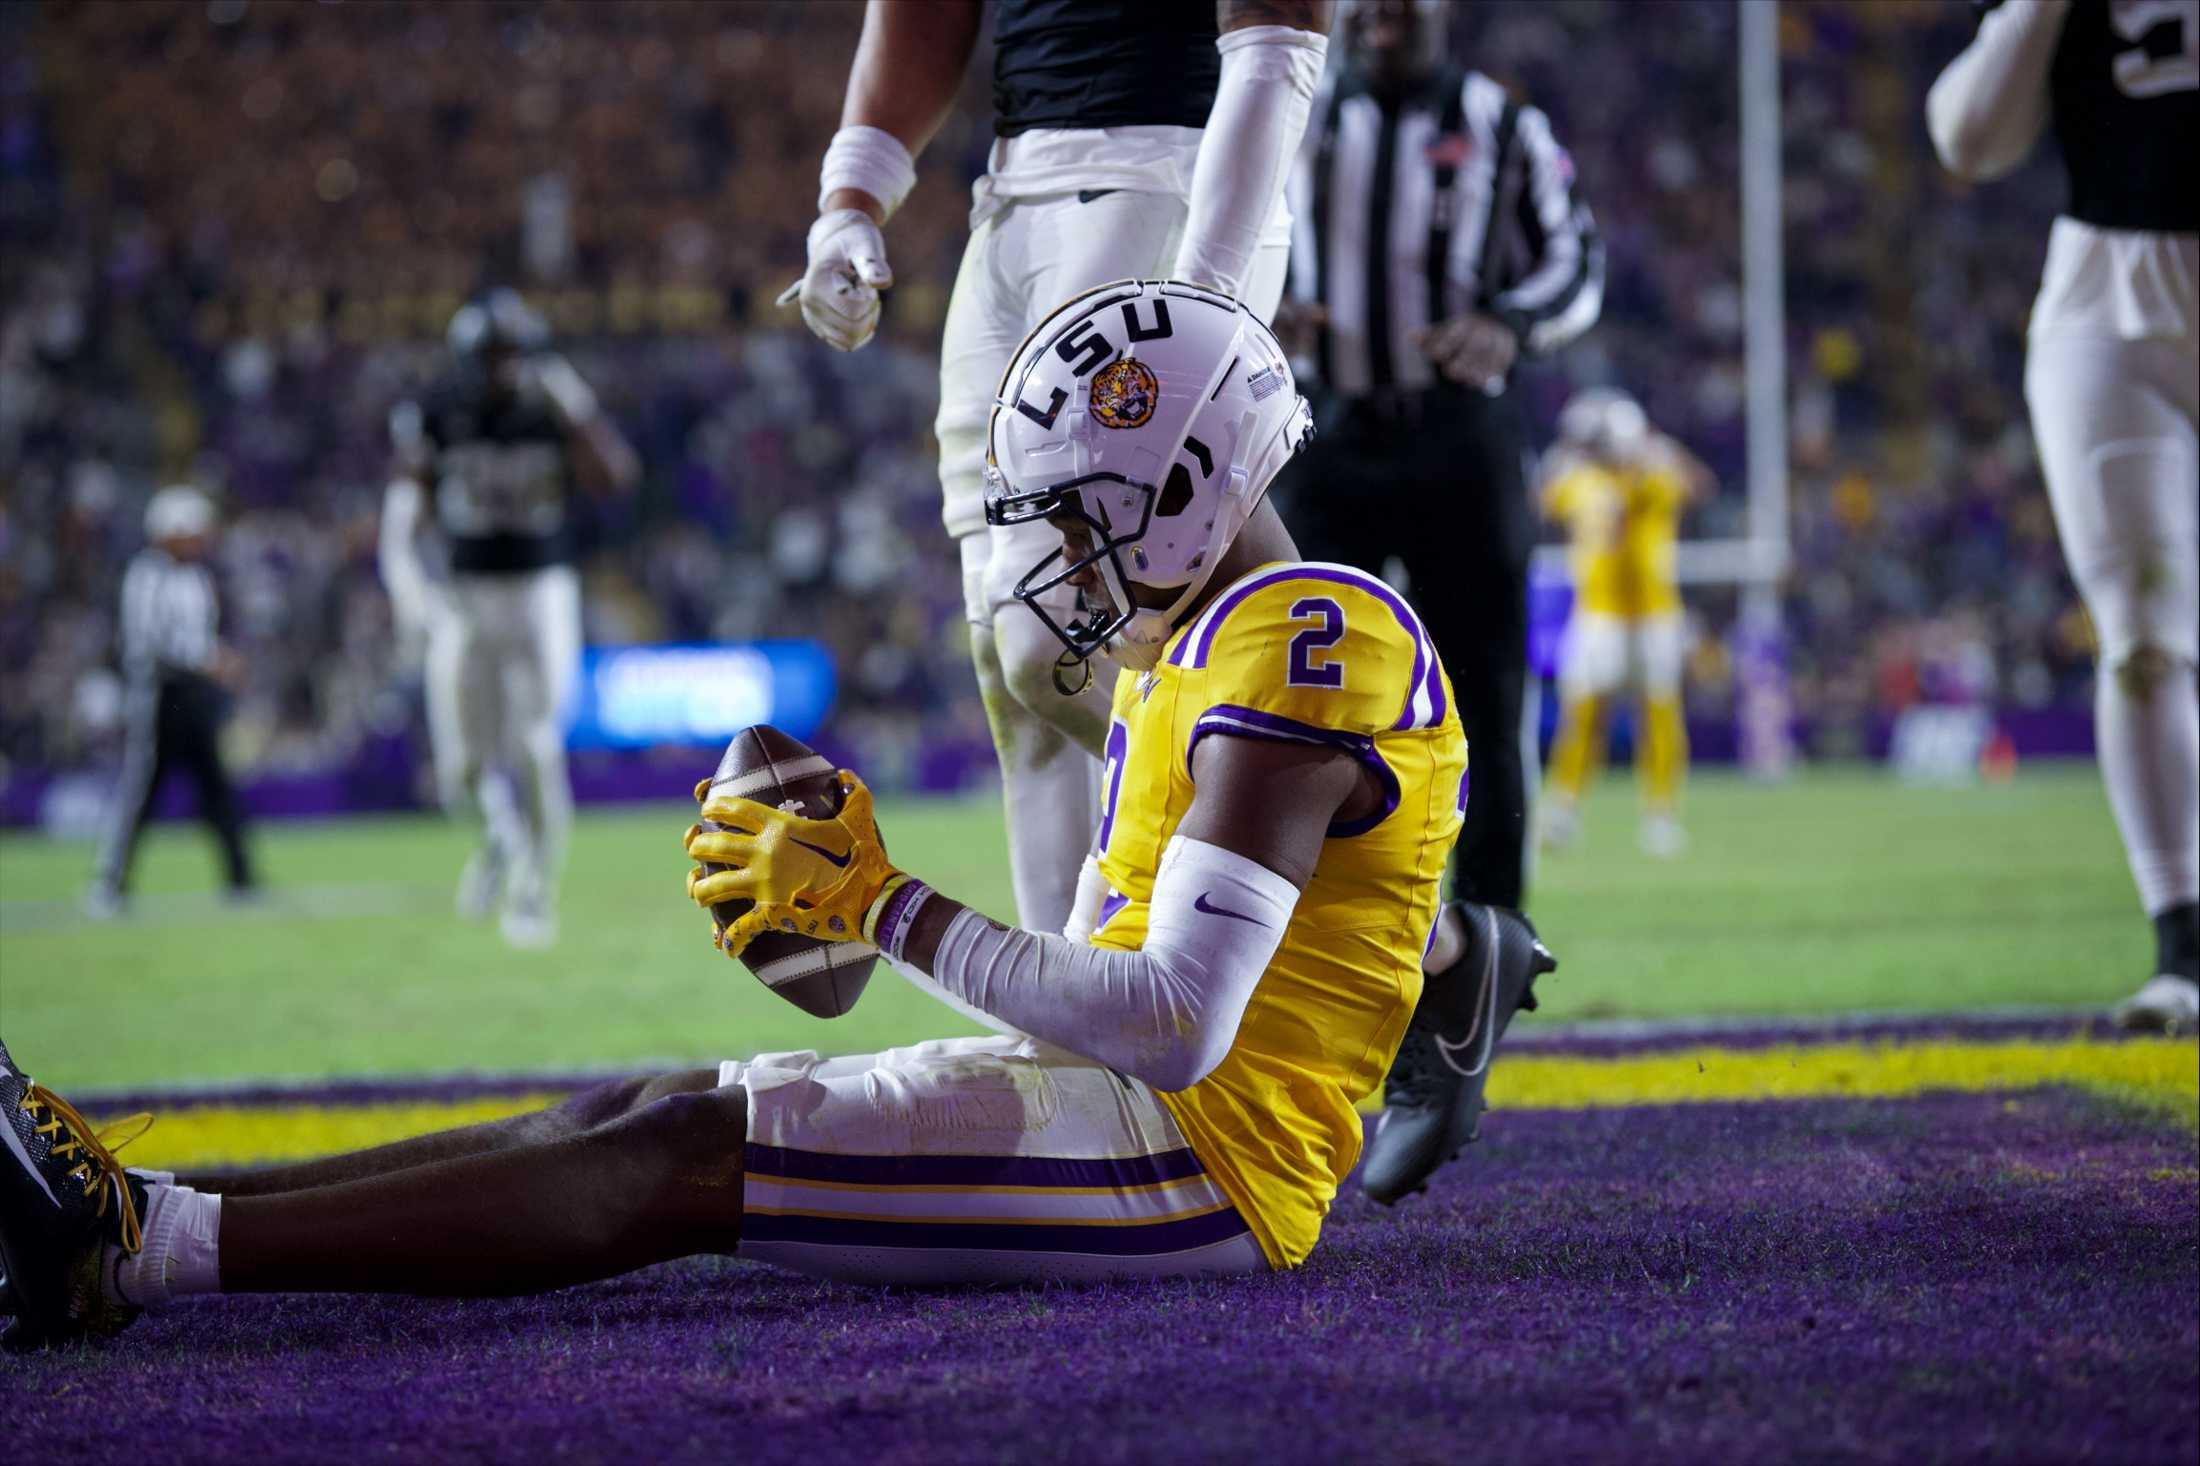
pixel 1063 666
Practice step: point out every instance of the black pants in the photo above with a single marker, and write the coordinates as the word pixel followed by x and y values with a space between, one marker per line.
pixel 174 724
pixel 1438 479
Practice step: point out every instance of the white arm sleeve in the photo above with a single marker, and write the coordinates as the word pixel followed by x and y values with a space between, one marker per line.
pixel 398 553
pixel 1987 108
pixel 1261 100
pixel 1166 1014
pixel 1084 907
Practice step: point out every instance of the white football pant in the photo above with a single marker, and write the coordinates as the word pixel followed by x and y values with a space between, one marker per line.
pixel 502 654
pixel 2112 377
pixel 1023 260
pixel 966 1161
pixel 1604 654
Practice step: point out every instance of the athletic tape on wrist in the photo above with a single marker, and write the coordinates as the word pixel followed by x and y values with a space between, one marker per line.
pixel 871 159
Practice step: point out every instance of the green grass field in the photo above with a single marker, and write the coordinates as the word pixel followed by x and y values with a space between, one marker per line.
pixel 1840 891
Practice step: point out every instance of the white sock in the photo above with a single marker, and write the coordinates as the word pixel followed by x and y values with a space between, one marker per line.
pixel 2150 761
pixel 180 1255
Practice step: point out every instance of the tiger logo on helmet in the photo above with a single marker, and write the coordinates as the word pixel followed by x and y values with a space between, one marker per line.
pixel 1124 394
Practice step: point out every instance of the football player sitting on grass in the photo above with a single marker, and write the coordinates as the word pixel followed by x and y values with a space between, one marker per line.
pixel 1170 1089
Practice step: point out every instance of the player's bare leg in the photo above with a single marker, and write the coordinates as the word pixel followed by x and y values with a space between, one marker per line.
pixel 660 1182
pixel 598 1105
pixel 86 1243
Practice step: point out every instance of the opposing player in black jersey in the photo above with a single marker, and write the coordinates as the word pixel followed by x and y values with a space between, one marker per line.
pixel 486 460
pixel 1131 139
pixel 2113 380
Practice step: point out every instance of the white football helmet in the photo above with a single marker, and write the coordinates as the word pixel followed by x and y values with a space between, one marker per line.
pixel 1157 413
pixel 1604 421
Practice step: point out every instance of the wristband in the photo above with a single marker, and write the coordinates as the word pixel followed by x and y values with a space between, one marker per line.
pixel 871 160
pixel 886 925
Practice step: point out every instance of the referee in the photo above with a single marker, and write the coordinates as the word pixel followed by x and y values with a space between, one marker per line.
pixel 171 658
pixel 1438 239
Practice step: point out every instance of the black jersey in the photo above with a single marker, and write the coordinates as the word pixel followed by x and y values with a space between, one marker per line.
pixel 2126 90
pixel 1103 63
pixel 499 471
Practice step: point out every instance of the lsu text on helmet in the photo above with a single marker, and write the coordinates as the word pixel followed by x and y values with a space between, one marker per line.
pixel 1155 414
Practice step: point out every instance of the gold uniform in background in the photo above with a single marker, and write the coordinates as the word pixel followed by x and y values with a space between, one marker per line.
pixel 1622 520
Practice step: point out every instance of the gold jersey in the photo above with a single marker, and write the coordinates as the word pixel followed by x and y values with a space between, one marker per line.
pixel 1316 654
pixel 1623 522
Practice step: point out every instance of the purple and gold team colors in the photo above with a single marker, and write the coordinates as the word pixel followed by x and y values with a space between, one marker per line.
pixel 997 1160
pixel 1329 656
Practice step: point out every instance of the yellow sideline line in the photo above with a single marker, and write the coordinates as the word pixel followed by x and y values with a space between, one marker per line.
pixel 2162 1073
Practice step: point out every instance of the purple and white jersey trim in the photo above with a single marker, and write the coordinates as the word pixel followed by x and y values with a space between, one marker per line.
pixel 1424 704
pixel 1274 727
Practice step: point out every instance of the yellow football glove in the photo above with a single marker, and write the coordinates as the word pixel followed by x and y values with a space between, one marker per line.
pixel 813 878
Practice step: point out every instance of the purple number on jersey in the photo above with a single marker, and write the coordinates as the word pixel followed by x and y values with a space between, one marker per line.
pixel 1119 742
pixel 1305 671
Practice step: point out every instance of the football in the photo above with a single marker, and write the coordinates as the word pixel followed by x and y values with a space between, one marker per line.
pixel 823 979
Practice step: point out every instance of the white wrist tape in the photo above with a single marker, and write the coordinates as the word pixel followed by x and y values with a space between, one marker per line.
pixel 1165 1014
pixel 872 160
pixel 1262 97
pixel 1084 910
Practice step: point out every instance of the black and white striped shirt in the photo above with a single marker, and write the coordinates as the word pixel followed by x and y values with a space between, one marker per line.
pixel 1407 214
pixel 170 618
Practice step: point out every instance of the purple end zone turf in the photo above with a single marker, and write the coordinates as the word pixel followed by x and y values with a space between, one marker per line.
pixel 1951 1278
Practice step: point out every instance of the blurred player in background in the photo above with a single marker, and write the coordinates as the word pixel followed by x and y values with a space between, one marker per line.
pixel 2112 378
pixel 1169 1093
pixel 1132 140
pixel 1439 240
pixel 486 461
pixel 1619 488
pixel 175 673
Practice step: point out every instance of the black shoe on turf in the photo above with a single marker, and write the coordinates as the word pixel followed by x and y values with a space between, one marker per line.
pixel 63 1198
pixel 1432 1101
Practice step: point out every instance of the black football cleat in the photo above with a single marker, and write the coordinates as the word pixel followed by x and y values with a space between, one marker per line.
pixel 1432 1100
pixel 63 1198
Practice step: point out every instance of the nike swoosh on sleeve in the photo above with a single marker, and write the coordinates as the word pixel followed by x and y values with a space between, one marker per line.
pixel 835 859
pixel 1199 903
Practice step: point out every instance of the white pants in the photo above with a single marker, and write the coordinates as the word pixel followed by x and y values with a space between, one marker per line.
pixel 502 654
pixel 1604 654
pixel 1026 257
pixel 2115 415
pixel 972 1161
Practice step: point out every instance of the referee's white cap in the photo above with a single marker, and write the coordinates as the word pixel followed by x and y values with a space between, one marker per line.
pixel 178 512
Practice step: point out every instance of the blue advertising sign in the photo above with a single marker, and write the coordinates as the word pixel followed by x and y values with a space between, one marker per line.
pixel 641 696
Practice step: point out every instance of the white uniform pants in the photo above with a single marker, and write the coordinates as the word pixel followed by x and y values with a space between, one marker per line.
pixel 972 1161
pixel 502 654
pixel 1026 257
pixel 1604 654
pixel 2112 377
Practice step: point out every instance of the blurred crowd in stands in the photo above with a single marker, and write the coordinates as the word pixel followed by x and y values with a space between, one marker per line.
pixel 233 232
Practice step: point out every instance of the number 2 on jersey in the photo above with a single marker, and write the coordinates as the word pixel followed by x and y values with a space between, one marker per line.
pixel 1327 631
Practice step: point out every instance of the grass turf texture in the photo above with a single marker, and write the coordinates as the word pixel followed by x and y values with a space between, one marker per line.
pixel 1839 891
pixel 1947 1277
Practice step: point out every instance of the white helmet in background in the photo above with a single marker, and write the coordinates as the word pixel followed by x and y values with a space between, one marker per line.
pixel 1157 413
pixel 178 512
pixel 1604 421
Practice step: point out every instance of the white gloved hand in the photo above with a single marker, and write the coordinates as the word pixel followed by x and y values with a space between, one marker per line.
pixel 847 270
